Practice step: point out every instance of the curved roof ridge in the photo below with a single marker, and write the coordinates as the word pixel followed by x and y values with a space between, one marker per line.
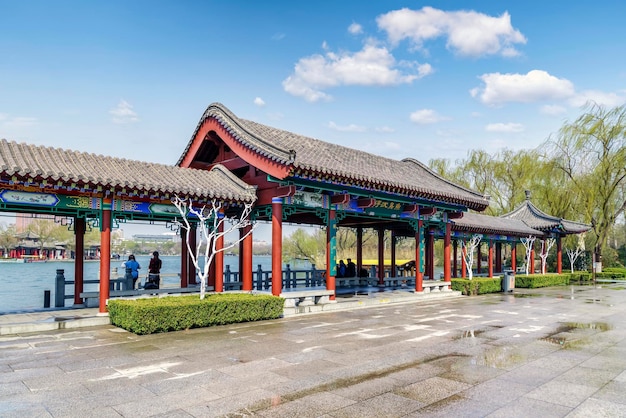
pixel 433 173
pixel 227 174
pixel 479 222
pixel 30 161
pixel 355 164
pixel 527 208
pixel 233 125
pixel 316 158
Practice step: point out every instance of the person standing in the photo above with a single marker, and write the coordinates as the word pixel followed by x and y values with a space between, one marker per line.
pixel 350 268
pixel 154 269
pixel 134 267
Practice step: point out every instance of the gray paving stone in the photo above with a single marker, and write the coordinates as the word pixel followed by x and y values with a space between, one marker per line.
pixel 387 405
pixel 562 393
pixel 598 408
pixel 524 407
pixel 492 355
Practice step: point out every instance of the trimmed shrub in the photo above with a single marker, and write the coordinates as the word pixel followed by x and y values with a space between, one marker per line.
pixel 533 281
pixel 612 273
pixel 579 277
pixel 478 286
pixel 174 313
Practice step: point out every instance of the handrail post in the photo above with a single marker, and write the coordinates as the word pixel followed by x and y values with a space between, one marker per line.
pixel 259 278
pixel 287 277
pixel 313 281
pixel 59 294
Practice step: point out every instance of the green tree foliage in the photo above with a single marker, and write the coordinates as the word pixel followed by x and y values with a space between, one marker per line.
pixel 591 153
pixel 8 239
pixel 306 246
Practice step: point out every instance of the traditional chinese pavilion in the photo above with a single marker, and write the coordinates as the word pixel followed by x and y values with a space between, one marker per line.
pixel 288 177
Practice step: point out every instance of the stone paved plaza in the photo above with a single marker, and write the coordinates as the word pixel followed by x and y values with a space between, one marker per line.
pixel 534 353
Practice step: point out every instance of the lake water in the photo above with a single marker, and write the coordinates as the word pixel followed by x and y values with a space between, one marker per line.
pixel 22 285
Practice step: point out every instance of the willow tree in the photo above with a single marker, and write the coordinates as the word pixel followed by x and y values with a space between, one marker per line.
pixel 591 151
pixel 303 245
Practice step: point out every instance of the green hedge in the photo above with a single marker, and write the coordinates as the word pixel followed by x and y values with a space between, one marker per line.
pixel 580 277
pixel 174 313
pixel 477 286
pixel 612 273
pixel 533 281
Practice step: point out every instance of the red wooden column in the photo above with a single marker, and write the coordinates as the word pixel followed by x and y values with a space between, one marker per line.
pixel 393 255
pixel 455 256
pixel 514 256
pixel 105 253
pixel 381 256
pixel 245 258
pixel 191 268
pixel 446 253
pixel 331 251
pixel 359 250
pixel 277 246
pixel 478 258
pixel 490 259
pixel 79 258
pixel 430 254
pixel 219 257
pixel 419 246
pixel 184 258
pixel 498 257
pixel 559 255
pixel 463 263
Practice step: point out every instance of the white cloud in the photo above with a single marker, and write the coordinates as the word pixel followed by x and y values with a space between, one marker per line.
pixel 371 66
pixel 259 102
pixel 598 97
pixel 553 110
pixel 468 33
pixel 123 113
pixel 278 36
pixel 346 128
pixel 535 86
pixel 505 127
pixel 384 129
pixel 355 29
pixel 426 116
pixel 8 121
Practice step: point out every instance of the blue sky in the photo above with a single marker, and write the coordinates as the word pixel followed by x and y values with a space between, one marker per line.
pixel 395 78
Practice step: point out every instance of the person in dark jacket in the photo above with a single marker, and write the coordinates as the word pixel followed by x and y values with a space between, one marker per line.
pixel 154 269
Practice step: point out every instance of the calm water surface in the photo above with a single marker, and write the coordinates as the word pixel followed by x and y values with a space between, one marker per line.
pixel 22 285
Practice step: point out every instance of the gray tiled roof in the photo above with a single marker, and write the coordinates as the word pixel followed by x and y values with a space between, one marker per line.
pixel 536 219
pixel 485 224
pixel 303 154
pixel 29 163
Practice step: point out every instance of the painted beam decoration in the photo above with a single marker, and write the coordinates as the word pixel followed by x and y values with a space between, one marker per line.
pixel 57 201
pixel 50 200
pixel 308 199
pixel 145 208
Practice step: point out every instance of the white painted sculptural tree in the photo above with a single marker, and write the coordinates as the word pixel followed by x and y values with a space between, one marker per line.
pixel 546 245
pixel 528 245
pixel 212 225
pixel 573 254
pixel 468 247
